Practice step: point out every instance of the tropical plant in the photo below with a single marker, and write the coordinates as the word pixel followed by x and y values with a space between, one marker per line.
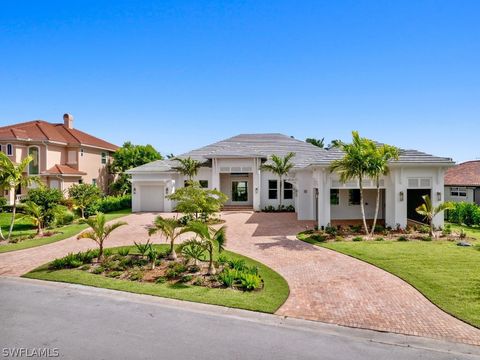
pixel 429 211
pixel 143 248
pixel 355 165
pixel 83 195
pixel 153 254
pixel 195 201
pixel 378 161
pixel 127 157
pixel 12 176
pixel 188 167
pixel 100 230
pixel 38 215
pixel 316 142
pixel 279 166
pixel 170 229
pixel 210 237
pixel 193 249
pixel 48 199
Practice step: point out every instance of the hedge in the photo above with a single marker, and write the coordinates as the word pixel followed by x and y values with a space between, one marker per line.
pixel 109 204
pixel 464 213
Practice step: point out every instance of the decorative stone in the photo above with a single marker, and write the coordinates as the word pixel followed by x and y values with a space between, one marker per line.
pixel 463 243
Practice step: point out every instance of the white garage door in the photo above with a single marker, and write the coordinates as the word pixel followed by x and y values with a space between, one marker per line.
pixel 151 197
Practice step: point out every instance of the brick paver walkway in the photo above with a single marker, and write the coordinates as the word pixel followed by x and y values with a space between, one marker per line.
pixel 324 285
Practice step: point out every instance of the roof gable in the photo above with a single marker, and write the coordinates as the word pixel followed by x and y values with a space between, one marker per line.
pixel 464 174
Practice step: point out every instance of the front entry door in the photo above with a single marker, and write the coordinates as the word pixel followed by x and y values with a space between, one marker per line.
pixel 240 191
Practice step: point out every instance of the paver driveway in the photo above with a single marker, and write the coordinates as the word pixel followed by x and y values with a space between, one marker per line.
pixel 324 285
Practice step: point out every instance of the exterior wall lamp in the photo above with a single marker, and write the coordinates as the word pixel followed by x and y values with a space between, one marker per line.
pixel 134 190
pixel 256 190
pixel 166 191
pixel 401 195
pixel 439 196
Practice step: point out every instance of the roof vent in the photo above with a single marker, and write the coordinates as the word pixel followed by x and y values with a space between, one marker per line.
pixel 68 121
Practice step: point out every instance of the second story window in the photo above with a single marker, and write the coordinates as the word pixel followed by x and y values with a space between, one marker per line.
pixel 33 166
pixel 1 148
pixel 104 157
pixel 9 149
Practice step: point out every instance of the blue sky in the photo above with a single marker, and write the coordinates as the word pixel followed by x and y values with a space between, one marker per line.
pixel 182 74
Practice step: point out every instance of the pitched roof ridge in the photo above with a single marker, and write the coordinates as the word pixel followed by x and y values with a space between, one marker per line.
pixel 23 124
pixel 67 129
pixel 37 124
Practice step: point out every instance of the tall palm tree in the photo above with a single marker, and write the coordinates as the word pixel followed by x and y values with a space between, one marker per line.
pixel 13 177
pixel 100 230
pixel 316 142
pixel 188 167
pixel 354 165
pixel 280 166
pixel 210 237
pixel 168 227
pixel 378 166
pixel 429 211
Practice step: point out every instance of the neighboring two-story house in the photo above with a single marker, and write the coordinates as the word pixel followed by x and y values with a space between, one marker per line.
pixel 62 155
pixel 462 182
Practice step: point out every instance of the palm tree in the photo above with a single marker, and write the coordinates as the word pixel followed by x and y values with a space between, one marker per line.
pixel 316 142
pixel 99 230
pixel 36 214
pixel 378 166
pixel 188 167
pixel 209 237
pixel 280 166
pixel 13 177
pixel 429 211
pixel 354 165
pixel 170 228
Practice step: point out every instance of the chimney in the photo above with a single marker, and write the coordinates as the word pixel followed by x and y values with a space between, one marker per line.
pixel 68 120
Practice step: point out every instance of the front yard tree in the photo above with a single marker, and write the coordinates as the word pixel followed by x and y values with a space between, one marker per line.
pixel 316 142
pixel 170 229
pixel 280 166
pixel 99 230
pixel 355 165
pixel 429 211
pixel 194 200
pixel 378 166
pixel 13 176
pixel 188 167
pixel 39 215
pixel 210 237
pixel 83 195
pixel 127 157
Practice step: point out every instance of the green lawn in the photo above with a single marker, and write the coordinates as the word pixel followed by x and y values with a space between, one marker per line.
pixel 447 274
pixel 473 231
pixel 267 300
pixel 24 227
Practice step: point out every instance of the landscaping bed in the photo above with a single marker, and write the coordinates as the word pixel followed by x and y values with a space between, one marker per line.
pixel 239 281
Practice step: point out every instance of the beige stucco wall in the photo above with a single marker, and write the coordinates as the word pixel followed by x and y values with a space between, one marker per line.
pixel 91 163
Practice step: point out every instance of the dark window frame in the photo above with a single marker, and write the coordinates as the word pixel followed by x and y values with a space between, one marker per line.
pixel 334 197
pixel 354 197
pixel 272 191
pixel 287 190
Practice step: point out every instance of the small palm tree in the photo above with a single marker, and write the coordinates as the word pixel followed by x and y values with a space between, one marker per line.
pixel 36 214
pixel 170 228
pixel 429 211
pixel 210 237
pixel 100 230
pixel 12 177
pixel 354 165
pixel 188 167
pixel 316 142
pixel 378 166
pixel 280 166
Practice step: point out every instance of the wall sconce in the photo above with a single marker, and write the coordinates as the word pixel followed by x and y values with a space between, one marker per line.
pixel 256 190
pixel 439 196
pixel 134 190
pixel 166 190
pixel 401 195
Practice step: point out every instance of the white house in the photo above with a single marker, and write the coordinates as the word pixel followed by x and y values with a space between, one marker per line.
pixel 233 167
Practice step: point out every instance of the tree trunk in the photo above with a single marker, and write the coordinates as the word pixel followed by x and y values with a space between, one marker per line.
pixel 432 230
pixel 362 207
pixel 211 267
pixel 100 251
pixel 173 254
pixel 82 211
pixel 39 229
pixel 1 234
pixel 14 211
pixel 377 205
pixel 280 193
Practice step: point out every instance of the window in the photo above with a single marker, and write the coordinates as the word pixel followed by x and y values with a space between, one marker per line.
pixel 239 191
pixel 203 184
pixel 80 181
pixel 9 149
pixel 0 147
pixel 354 197
pixel 94 182
pixel 334 197
pixel 272 189
pixel 458 191
pixel 287 190
pixel 81 152
pixel 104 157
pixel 33 166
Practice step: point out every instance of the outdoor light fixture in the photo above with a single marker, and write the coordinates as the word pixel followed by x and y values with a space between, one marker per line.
pixel 401 195
pixel 439 196
pixel 134 190
pixel 256 190
pixel 166 190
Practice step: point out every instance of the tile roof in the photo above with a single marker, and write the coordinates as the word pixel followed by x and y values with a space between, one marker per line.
pixel 39 130
pixel 59 169
pixel 464 174
pixel 264 145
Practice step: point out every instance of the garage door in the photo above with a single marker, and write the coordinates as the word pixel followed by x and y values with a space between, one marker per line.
pixel 151 198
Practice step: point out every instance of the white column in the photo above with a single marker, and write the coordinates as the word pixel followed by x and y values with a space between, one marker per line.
pixel 256 185
pixel 323 198
pixel 438 195
pixel 215 175
pixel 168 204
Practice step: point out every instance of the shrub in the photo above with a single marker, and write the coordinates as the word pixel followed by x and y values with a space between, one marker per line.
pixel 186 278
pixel 109 204
pixel 198 281
pixel 427 238
pixel 318 238
pixel 464 213
pixel 143 248
pixel 379 229
pixel 250 282
pixel 339 238
pixel 194 268
pixel 379 239
pixel 136 275
pixel 123 251
pixel 356 228
pixel 331 230
pixel 107 252
pixel 98 270
pixel 193 249
pixel 222 259
pixel 48 199
pixel 357 238
pixel 3 201
pixel 424 229
pixel 237 264
pixel 85 267
pixel 447 230
pixel 402 238
pixel 462 234
pixel 227 277
pixel 114 274
pixel 64 216
pixel 184 220
pixel 161 280
pixel 72 260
